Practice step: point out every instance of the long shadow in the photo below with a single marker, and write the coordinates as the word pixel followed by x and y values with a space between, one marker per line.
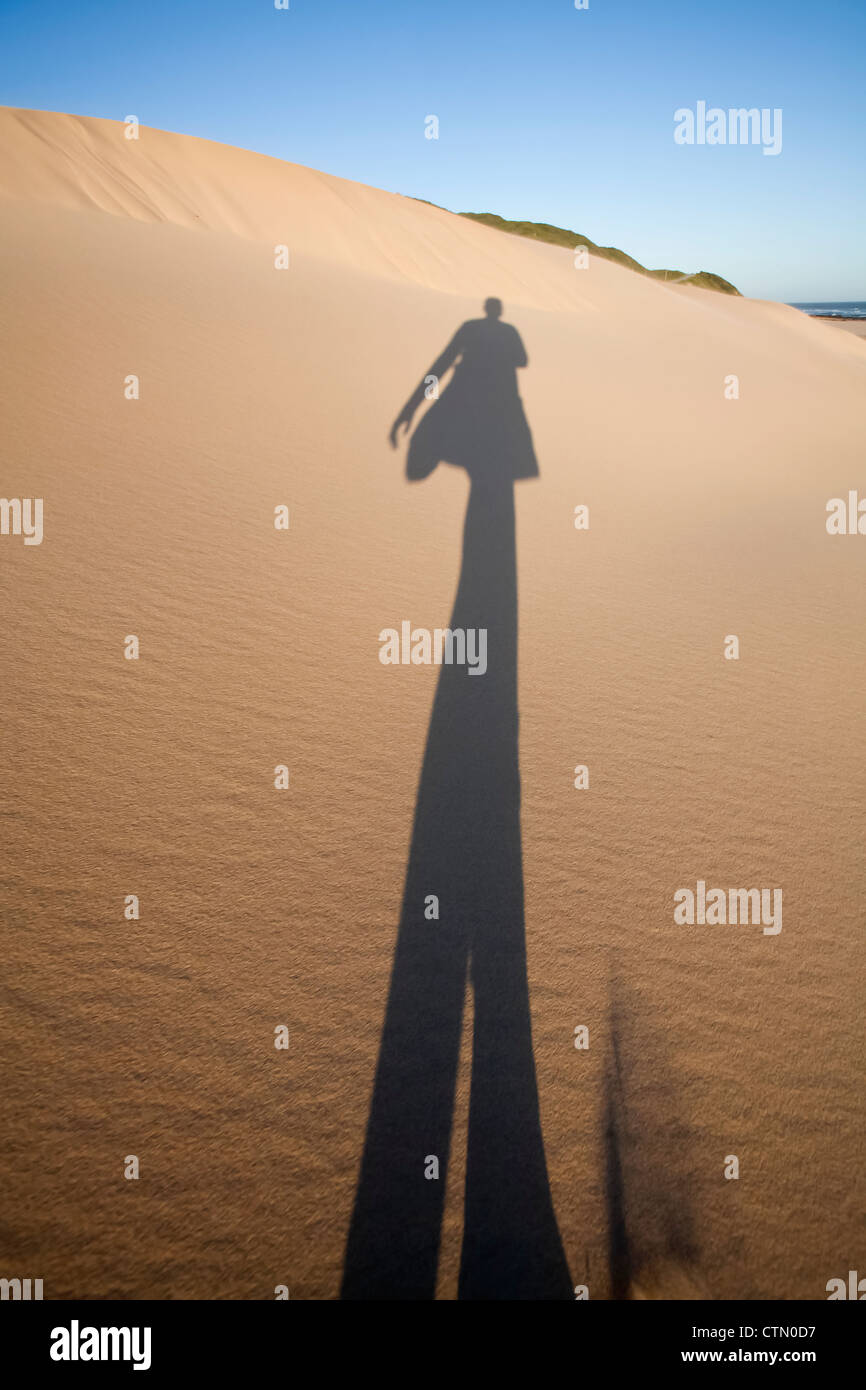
pixel 465 849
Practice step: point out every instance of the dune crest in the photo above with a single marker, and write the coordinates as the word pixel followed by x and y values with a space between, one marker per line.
pixel 86 163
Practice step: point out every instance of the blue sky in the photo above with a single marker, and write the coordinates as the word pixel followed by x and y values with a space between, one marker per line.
pixel 546 112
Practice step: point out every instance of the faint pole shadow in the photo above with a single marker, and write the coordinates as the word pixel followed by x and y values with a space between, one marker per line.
pixel 651 1239
pixel 466 848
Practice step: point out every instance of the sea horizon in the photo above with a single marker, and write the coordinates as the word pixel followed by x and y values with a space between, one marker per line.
pixel 831 308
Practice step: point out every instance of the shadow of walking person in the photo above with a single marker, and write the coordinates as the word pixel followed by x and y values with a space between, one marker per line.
pixel 466 849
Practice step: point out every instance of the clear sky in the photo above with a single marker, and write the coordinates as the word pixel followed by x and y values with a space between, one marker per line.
pixel 546 113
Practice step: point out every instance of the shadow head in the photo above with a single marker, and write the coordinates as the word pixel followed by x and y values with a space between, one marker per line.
pixel 493 308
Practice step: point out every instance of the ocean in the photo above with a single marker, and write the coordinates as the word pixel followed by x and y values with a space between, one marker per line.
pixel 836 309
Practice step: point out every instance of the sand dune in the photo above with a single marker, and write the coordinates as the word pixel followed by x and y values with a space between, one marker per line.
pixel 261 387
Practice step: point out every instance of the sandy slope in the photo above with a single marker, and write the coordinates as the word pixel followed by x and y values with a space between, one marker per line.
pixel 855 326
pixel 261 387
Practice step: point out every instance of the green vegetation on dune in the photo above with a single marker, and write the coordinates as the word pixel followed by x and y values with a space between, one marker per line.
pixel 559 236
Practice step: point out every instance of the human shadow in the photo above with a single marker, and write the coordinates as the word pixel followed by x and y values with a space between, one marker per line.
pixel 466 850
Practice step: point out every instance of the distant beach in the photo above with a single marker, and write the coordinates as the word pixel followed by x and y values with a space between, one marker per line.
pixel 849 314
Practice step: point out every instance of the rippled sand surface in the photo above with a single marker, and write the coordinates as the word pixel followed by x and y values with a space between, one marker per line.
pixel 260 647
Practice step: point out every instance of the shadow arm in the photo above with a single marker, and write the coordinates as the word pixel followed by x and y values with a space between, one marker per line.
pixel 438 369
